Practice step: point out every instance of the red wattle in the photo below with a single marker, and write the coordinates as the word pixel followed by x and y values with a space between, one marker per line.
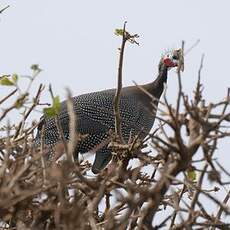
pixel 168 62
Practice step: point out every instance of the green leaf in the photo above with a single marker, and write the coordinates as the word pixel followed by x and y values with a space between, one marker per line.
pixel 35 67
pixel 49 112
pixel 6 81
pixel 21 100
pixel 14 78
pixel 55 109
pixel 57 104
pixel 119 32
pixel 191 175
pixel 18 104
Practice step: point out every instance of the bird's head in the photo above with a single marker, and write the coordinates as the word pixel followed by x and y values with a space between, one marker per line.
pixel 170 59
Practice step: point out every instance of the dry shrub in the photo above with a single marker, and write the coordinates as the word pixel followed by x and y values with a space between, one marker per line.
pixel 64 196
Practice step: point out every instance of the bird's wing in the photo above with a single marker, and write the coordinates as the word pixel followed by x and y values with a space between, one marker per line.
pixel 95 115
pixel 97 108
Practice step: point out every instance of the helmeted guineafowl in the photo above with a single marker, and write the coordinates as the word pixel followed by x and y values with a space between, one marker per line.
pixel 95 115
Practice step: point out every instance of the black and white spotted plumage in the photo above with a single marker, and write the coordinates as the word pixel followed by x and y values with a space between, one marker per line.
pixel 95 117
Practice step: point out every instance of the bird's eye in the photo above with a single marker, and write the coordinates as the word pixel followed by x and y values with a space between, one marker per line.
pixel 175 57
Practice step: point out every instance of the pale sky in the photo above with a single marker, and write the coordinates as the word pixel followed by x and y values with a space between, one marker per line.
pixel 74 43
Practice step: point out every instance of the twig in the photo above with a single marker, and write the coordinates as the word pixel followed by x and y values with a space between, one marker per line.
pixel 35 102
pixel 6 7
pixel 116 102
pixel 193 46
pixel 180 67
pixel 8 96
pixel 72 128
pixel 57 120
pixel 225 201
pixel 175 212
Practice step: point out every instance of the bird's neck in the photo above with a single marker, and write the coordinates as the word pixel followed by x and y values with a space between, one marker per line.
pixel 156 87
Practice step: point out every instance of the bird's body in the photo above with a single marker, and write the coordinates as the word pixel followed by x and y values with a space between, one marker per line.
pixel 95 117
